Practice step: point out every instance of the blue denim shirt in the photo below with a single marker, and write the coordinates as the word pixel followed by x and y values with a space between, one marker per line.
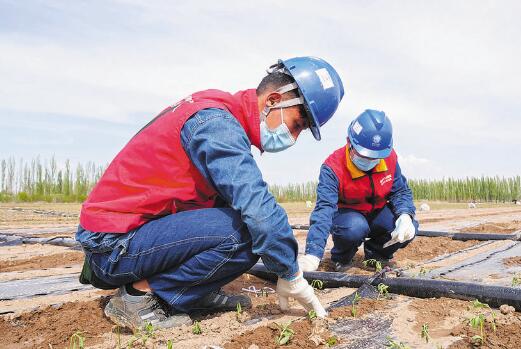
pixel 220 149
pixel 218 146
pixel 321 220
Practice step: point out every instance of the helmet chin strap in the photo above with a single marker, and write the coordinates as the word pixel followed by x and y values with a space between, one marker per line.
pixel 284 104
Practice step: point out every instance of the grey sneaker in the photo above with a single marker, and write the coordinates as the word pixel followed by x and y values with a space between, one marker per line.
pixel 137 311
pixel 219 301
pixel 341 267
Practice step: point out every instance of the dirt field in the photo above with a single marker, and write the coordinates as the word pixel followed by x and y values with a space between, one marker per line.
pixel 49 320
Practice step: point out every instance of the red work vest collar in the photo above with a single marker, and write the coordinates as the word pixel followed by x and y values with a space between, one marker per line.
pixel 355 172
pixel 246 109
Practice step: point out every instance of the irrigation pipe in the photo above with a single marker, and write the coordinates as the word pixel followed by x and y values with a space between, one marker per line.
pixel 494 296
pixel 453 236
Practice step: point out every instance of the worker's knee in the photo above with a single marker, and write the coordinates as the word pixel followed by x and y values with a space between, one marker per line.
pixel 383 222
pixel 350 226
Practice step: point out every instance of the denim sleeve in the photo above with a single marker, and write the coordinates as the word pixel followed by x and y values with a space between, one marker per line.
pixel 400 198
pixel 321 218
pixel 218 146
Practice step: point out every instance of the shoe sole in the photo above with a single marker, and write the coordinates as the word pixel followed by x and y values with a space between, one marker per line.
pixel 121 319
pixel 117 316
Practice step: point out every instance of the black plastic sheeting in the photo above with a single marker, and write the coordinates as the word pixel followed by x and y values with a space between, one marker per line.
pixel 453 236
pixel 414 287
pixel 13 240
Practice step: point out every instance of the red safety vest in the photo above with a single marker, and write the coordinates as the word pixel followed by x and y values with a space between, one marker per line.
pixel 152 176
pixel 358 190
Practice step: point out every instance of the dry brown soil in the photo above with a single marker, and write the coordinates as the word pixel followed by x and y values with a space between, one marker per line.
pixel 42 262
pixel 507 334
pixel 425 248
pixel 54 325
pixel 512 261
pixel 505 227
pixel 419 250
pixel 363 307
pixel 266 337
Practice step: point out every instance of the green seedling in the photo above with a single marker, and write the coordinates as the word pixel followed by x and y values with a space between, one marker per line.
pixel 196 328
pixel 238 312
pixel 477 340
pixel 354 311
pixel 169 344
pixel 317 284
pixel 383 290
pixel 392 344
pixel 312 315
pixel 476 304
pixel 425 333
pixel 516 280
pixel 476 322
pixel 147 333
pixel 331 341
pixel 373 263
pixel 77 341
pixel 285 334
pixel 493 323
pixel 118 336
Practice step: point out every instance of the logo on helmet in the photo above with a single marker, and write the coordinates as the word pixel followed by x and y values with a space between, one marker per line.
pixel 376 140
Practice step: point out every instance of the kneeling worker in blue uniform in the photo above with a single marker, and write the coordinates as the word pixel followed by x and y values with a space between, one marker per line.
pixel 362 197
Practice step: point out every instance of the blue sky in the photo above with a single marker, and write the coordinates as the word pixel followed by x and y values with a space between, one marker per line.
pixel 79 78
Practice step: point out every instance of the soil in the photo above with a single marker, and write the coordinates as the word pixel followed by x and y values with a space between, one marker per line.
pixel 512 261
pixel 53 326
pixel 43 262
pixel 265 337
pixel 363 307
pixel 425 248
pixel 435 311
pixel 506 336
pixel 419 250
pixel 499 228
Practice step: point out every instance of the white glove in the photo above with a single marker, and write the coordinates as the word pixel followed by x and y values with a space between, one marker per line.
pixel 404 230
pixel 308 262
pixel 302 292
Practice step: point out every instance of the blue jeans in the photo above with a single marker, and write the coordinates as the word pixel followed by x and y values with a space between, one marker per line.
pixel 351 228
pixel 183 256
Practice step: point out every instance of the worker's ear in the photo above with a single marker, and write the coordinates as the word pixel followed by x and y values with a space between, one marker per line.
pixel 273 98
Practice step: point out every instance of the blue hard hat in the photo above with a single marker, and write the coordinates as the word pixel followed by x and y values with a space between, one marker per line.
pixel 371 134
pixel 319 85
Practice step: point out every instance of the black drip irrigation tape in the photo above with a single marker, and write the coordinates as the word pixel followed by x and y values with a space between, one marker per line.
pixel 494 296
pixel 453 236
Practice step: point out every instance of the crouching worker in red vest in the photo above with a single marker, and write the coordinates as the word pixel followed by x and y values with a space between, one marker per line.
pixel 361 194
pixel 183 210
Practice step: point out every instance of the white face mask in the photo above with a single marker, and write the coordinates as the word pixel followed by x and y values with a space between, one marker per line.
pixel 277 139
pixel 363 163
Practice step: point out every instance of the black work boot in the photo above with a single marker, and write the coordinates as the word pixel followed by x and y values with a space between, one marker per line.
pixel 219 301
pixel 137 311
pixel 342 267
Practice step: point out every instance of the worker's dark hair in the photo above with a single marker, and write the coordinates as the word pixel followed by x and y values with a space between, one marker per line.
pixel 273 81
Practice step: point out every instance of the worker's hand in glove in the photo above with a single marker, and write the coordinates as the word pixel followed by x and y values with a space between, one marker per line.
pixel 300 290
pixel 404 230
pixel 308 262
